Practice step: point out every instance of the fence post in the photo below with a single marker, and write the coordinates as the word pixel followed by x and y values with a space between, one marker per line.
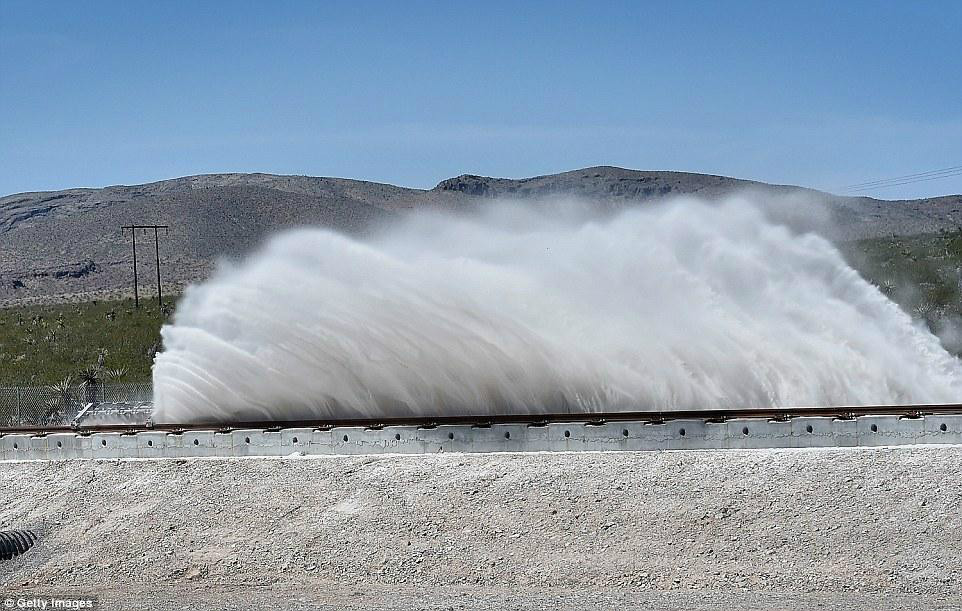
pixel 17 410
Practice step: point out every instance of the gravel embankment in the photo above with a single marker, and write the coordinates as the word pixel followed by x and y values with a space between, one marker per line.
pixel 869 528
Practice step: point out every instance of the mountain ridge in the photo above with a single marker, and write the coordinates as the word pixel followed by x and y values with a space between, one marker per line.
pixel 68 243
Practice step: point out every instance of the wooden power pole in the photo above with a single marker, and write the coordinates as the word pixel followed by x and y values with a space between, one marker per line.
pixel 133 234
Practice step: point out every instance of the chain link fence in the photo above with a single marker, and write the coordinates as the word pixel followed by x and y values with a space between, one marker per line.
pixel 56 405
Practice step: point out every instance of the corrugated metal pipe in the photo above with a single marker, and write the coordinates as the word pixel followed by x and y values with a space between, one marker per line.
pixel 15 542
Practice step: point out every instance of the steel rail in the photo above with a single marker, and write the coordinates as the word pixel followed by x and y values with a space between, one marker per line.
pixel 847 412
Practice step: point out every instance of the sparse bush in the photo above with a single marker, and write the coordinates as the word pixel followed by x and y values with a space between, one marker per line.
pixel 62 402
pixel 922 308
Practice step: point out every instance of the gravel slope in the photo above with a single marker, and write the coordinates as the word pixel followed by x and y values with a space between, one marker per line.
pixel 868 528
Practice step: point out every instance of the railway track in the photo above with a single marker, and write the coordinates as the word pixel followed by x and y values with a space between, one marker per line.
pixel 848 412
pixel 840 426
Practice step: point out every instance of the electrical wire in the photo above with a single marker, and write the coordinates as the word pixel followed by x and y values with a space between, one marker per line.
pixel 907 179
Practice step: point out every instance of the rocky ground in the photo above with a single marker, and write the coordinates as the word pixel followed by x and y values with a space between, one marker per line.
pixel 792 529
pixel 373 596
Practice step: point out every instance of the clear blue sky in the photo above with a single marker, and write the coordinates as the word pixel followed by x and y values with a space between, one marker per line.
pixel 811 93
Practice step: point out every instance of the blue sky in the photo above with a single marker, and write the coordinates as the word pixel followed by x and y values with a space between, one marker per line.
pixel 810 93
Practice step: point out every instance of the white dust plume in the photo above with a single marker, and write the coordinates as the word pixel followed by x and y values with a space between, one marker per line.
pixel 543 309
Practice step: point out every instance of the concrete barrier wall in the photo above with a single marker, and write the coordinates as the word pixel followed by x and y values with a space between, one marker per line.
pixel 801 432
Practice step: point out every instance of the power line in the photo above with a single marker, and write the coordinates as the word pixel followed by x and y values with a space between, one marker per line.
pixel 883 180
pixel 906 179
pixel 908 182
pixel 897 182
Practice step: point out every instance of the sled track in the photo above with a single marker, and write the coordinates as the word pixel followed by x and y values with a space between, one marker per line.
pixel 815 427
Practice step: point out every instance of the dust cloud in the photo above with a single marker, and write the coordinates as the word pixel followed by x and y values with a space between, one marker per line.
pixel 547 308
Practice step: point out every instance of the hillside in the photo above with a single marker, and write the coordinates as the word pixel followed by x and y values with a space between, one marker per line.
pixel 66 245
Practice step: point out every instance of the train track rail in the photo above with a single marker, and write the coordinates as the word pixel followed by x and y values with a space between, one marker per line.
pixel 534 419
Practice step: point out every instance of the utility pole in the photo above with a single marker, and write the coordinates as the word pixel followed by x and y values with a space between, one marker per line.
pixel 160 299
pixel 133 234
pixel 133 237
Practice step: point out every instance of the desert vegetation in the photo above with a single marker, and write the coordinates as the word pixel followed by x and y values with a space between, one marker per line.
pixel 93 342
pixel 922 273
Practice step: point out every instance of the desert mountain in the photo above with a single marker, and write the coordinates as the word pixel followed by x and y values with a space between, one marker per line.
pixel 68 244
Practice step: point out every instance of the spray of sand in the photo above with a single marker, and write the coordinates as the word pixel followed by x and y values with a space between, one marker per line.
pixel 549 308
